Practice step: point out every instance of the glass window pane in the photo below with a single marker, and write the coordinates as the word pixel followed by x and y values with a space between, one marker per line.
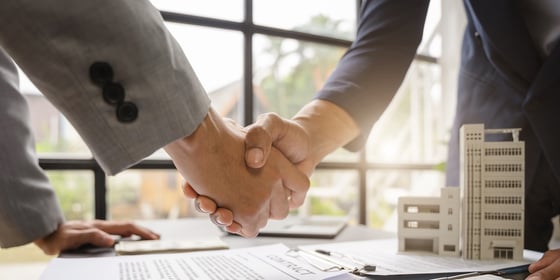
pixel 384 187
pixel 288 73
pixel 52 131
pixel 147 194
pixel 333 18
pixel 218 62
pixel 220 9
pixel 415 126
pixel 75 191
pixel 332 193
pixel 431 40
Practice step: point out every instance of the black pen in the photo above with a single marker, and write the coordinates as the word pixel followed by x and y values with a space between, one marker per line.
pixel 513 270
pixel 500 272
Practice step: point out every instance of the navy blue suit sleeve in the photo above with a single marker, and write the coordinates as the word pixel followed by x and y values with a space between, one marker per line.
pixel 369 74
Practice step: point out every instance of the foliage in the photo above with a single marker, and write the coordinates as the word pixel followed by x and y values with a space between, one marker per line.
pixel 75 193
pixel 308 64
pixel 328 207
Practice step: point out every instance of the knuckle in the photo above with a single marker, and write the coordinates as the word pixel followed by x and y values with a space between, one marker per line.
pixel 257 131
pixel 274 119
pixel 306 184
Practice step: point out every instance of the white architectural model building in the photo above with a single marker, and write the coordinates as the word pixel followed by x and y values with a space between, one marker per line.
pixel 493 186
pixel 430 224
pixel 492 210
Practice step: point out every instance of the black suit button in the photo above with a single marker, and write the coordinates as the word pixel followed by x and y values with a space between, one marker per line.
pixel 127 112
pixel 113 93
pixel 101 73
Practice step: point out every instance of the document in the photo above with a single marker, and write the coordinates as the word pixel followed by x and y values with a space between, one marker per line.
pixel 388 261
pixel 263 262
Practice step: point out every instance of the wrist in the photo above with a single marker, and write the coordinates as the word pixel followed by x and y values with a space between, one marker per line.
pixel 328 127
pixel 202 140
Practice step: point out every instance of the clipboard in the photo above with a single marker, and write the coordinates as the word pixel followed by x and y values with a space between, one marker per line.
pixel 391 264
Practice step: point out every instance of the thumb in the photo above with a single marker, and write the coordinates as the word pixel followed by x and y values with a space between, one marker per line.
pixel 259 139
pixel 99 238
pixel 92 236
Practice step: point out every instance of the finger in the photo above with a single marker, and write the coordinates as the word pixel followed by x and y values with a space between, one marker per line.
pixel 214 220
pixel 552 271
pixel 223 216
pixel 279 203
pixel 205 204
pixel 547 259
pixel 249 232
pixel 234 228
pixel 188 191
pixel 259 139
pixel 93 236
pixel 292 179
pixel 125 229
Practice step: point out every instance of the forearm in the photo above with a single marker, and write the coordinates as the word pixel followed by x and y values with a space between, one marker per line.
pixel 328 126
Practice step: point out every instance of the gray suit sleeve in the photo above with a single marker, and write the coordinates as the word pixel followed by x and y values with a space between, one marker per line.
pixel 55 42
pixel 28 205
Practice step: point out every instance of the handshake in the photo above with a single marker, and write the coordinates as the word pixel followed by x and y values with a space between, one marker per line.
pixel 244 176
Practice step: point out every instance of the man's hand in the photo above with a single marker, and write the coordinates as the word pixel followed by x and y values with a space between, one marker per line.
pixel 318 129
pixel 271 131
pixel 548 267
pixel 73 234
pixel 212 161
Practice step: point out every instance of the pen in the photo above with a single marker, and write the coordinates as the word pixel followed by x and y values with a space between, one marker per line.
pixel 365 267
pixel 460 276
pixel 499 272
pixel 513 270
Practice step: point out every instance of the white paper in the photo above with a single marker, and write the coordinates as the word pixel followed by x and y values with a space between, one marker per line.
pixel 264 262
pixel 383 253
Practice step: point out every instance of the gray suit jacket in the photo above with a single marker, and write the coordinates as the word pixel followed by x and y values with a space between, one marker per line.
pixel 143 95
pixel 28 206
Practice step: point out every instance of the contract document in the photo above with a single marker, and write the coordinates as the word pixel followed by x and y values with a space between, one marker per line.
pixel 263 262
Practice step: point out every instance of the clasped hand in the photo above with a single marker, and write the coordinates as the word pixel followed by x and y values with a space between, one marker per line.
pixel 212 161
